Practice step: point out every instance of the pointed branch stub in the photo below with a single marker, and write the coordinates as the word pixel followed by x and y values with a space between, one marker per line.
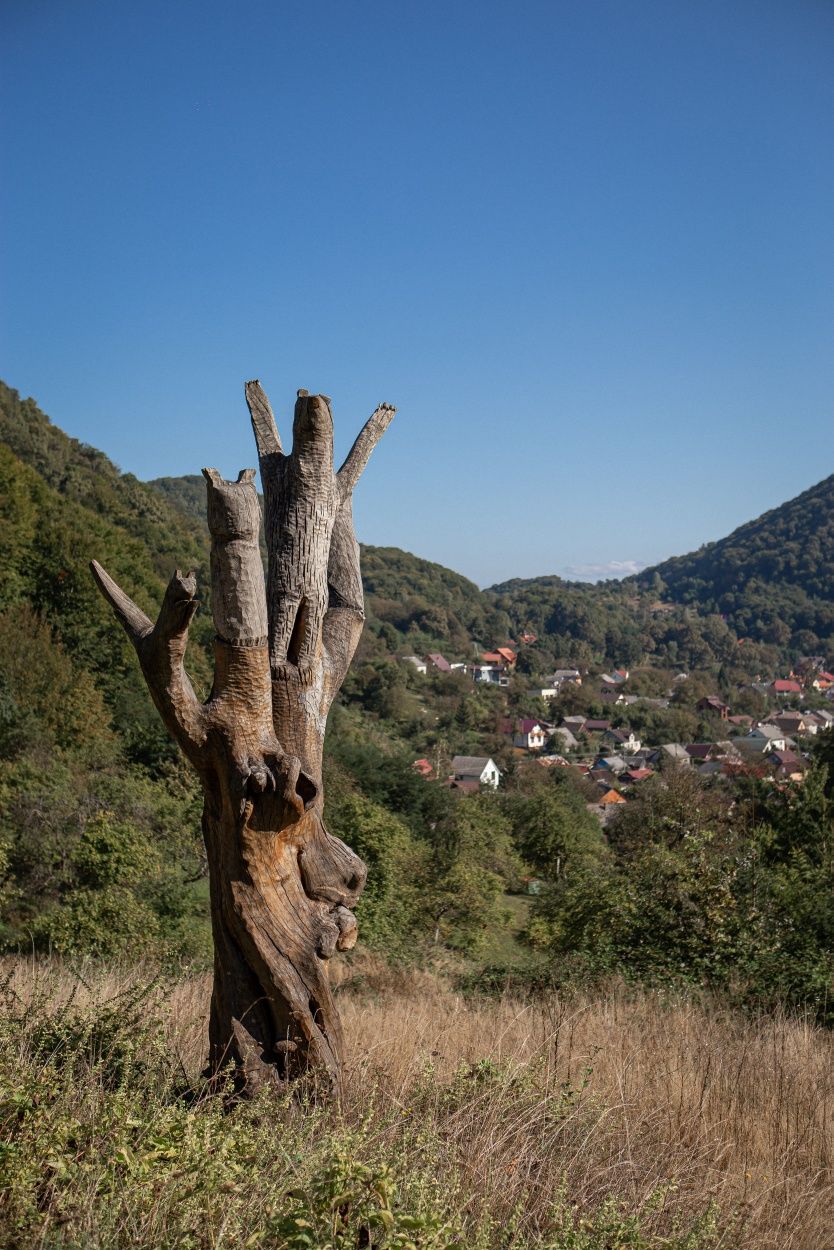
pixel 266 433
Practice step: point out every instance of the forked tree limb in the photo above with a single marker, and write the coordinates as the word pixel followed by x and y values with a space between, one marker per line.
pixel 161 651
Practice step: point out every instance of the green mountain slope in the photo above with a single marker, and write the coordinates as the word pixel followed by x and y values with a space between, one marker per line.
pixel 770 583
pixel 79 473
pixel 100 844
pixel 186 493
pixel 772 578
pixel 99 821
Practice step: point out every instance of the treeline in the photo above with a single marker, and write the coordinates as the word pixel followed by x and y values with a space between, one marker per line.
pixel 756 600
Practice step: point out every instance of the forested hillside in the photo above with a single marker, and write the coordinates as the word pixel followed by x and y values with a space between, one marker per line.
pixel 773 578
pixel 100 846
pixel 769 584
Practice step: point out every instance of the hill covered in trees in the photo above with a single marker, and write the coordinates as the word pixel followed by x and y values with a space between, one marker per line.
pixel 754 600
pixel 100 845
pixel 411 603
pixel 772 578
pixel 768 586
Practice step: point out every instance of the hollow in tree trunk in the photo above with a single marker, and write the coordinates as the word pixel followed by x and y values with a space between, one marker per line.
pixel 282 888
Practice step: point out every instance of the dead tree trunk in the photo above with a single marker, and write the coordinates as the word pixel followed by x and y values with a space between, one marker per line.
pixel 282 887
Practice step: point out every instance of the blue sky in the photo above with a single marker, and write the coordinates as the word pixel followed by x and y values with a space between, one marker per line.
pixel 587 248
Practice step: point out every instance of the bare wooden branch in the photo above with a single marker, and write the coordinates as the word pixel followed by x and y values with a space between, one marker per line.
pixel 300 504
pixel 161 651
pixel 360 452
pixel 267 437
pixel 136 624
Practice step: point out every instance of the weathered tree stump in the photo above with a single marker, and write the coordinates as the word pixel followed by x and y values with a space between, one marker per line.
pixel 282 887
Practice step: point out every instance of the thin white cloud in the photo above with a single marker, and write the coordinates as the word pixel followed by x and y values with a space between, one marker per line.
pixel 596 572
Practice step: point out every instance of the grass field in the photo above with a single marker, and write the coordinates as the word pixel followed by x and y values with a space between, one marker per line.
pixel 585 1123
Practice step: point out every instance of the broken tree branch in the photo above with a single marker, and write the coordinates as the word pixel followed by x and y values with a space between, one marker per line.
pixel 360 452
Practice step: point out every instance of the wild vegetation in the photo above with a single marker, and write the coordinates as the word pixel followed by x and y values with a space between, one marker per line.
pixel 628 1120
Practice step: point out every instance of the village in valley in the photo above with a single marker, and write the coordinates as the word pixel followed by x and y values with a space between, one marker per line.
pixel 614 758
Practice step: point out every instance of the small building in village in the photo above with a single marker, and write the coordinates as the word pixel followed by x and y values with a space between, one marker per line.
pixel 480 769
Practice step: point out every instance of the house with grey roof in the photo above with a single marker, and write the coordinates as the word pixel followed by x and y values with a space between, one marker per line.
pixel 480 769
pixel 564 739
pixel 675 752
pixel 764 738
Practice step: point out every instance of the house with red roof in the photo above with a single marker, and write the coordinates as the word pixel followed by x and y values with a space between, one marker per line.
pixel 784 686
pixel 529 734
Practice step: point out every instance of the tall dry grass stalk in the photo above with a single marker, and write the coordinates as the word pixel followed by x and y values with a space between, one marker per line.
pixel 619 1093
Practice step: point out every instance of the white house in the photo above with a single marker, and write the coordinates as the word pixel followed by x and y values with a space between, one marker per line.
pixel 626 740
pixel 492 673
pixel 562 676
pixel 477 768
pixel 529 735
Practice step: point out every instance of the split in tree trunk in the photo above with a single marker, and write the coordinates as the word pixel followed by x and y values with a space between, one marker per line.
pixel 282 887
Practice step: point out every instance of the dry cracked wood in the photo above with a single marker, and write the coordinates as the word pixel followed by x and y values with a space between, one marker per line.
pixel 282 887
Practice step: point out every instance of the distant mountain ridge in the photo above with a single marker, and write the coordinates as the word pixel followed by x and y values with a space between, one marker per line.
pixel 769 583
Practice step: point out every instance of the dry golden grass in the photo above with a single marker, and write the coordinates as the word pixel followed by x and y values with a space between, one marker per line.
pixel 619 1093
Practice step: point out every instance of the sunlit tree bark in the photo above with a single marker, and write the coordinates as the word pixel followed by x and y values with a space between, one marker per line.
pixel 282 887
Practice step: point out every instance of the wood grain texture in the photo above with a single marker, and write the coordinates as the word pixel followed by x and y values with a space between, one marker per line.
pixel 282 887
